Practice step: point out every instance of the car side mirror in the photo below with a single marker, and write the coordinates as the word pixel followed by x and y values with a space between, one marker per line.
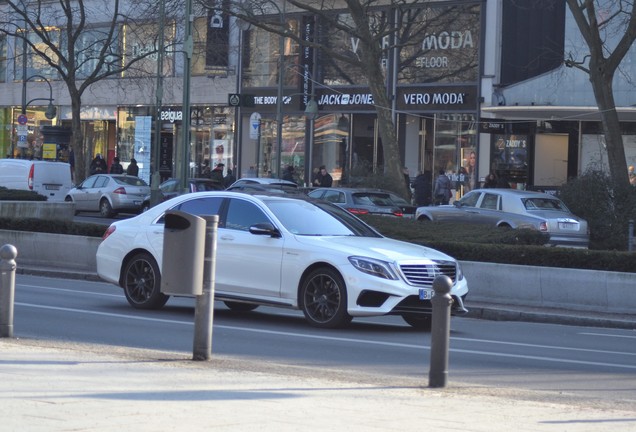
pixel 457 204
pixel 265 229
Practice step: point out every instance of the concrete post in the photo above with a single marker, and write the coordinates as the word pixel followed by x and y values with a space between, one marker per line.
pixel 7 288
pixel 204 308
pixel 440 331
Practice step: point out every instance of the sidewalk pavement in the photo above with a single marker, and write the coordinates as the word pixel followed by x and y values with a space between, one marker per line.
pixel 59 386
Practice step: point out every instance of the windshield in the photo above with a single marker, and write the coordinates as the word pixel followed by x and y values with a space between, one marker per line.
pixel 373 198
pixel 545 204
pixel 130 180
pixel 318 219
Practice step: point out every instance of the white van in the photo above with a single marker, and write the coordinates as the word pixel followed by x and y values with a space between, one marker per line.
pixel 51 179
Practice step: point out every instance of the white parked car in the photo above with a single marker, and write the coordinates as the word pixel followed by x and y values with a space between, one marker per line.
pixel 286 251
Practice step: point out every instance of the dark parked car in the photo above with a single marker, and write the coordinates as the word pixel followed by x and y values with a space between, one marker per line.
pixel 366 201
pixel 263 184
pixel 172 188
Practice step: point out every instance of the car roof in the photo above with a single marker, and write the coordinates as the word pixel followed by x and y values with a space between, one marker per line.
pixel 264 180
pixel 517 192
pixel 356 190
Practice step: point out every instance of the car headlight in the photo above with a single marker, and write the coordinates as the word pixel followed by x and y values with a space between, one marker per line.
pixel 373 267
pixel 460 274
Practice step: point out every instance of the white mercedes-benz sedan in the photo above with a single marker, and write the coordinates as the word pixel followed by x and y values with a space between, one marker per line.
pixel 289 252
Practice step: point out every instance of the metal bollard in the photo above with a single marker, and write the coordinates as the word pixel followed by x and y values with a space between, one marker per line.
pixel 204 308
pixel 630 236
pixel 440 331
pixel 8 253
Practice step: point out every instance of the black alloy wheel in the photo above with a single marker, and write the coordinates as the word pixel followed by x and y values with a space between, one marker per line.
pixel 142 283
pixel 323 299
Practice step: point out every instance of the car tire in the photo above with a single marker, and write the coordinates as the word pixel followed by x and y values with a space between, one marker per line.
pixel 240 307
pixel 418 322
pixel 323 299
pixel 141 281
pixel 423 219
pixel 105 209
pixel 68 199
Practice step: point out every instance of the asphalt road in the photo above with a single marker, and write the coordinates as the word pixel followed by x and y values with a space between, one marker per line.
pixel 587 363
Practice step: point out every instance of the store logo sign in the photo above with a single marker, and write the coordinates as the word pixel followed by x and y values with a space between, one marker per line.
pixel 171 115
pixel 434 98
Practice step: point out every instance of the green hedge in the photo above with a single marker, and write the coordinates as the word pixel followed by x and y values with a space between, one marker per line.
pixel 485 244
pixel 52 226
pixel 20 195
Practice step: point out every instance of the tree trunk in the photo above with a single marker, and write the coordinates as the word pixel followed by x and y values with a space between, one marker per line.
pixel 604 94
pixel 77 140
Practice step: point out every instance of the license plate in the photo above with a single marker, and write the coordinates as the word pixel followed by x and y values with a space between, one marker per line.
pixel 52 187
pixel 567 226
pixel 426 294
pixel 137 202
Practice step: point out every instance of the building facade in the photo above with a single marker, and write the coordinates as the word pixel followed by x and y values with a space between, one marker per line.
pixel 476 86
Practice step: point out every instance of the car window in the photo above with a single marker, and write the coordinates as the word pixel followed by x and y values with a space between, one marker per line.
pixel 89 182
pixel 398 200
pixel 201 206
pixel 544 204
pixel 316 194
pixel 470 199
pixel 334 197
pixel 130 180
pixel 169 186
pixel 241 215
pixel 490 201
pixel 101 181
pixel 378 199
pixel 318 218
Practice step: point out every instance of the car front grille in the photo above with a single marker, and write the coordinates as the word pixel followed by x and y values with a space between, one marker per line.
pixel 423 275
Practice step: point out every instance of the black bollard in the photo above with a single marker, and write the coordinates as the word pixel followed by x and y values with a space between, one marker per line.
pixel 8 253
pixel 440 331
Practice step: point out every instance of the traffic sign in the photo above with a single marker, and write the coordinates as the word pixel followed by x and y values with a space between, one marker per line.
pixel 255 125
pixel 22 130
pixel 22 119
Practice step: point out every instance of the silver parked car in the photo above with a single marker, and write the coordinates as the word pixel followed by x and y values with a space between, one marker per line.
pixel 365 201
pixel 513 208
pixel 109 194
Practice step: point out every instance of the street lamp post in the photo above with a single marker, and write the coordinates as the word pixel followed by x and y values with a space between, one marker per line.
pixel 51 110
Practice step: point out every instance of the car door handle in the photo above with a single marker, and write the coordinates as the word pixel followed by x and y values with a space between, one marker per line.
pixel 227 237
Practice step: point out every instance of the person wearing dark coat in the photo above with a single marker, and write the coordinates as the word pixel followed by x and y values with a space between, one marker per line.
pixel 323 178
pixel 98 165
pixel 423 186
pixel 217 173
pixel 229 178
pixel 116 167
pixel 289 174
pixel 133 168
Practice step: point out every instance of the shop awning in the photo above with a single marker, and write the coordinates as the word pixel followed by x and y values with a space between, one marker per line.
pixel 552 112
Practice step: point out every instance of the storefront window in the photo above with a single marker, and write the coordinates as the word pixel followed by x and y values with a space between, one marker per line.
pixel 456 150
pixel 32 148
pixel 3 58
pixel 140 39
pixel 509 159
pixel 260 68
pixel 443 45
pixel 37 65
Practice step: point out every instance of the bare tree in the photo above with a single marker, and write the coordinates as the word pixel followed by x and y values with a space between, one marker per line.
pixel 599 22
pixel 378 28
pixel 80 40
